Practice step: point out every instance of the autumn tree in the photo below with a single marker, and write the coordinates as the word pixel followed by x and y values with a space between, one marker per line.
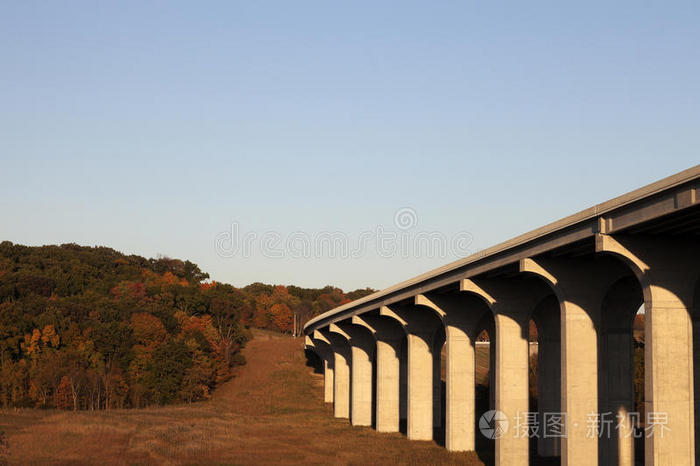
pixel 92 328
pixel 281 317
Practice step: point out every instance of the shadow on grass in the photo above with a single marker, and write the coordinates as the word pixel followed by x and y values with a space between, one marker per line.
pixel 313 361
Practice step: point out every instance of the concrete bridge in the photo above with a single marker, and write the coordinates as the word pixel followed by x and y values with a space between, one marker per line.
pixel 581 280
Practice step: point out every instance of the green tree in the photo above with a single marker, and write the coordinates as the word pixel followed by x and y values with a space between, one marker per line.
pixel 166 371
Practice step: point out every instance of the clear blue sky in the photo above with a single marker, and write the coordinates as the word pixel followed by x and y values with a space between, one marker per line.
pixel 150 127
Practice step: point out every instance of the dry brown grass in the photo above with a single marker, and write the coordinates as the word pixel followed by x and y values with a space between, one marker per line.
pixel 272 413
pixel 481 367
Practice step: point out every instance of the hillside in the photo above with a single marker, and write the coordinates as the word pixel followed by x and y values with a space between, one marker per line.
pixel 271 413
pixel 92 328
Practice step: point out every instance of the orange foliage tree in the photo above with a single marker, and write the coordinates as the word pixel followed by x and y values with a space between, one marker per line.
pixel 281 317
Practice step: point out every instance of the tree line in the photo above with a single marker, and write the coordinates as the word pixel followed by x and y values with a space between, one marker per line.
pixel 92 328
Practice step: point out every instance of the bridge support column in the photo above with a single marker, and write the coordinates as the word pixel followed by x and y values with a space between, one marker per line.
pixel 403 385
pixel 668 271
pixel 580 286
pixel 325 352
pixel 420 327
pixel 512 397
pixel 460 390
pixel 328 380
pixel 420 386
pixel 547 318
pixel 439 340
pixel 460 315
pixel 388 336
pixel 342 358
pixel 512 302
pixel 362 348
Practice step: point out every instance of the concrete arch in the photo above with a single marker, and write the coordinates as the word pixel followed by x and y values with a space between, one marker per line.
pixel 580 285
pixel 460 310
pixel 616 370
pixel 516 298
pixel 512 301
pixel 313 358
pixel 362 347
pixel 535 268
pixel 438 340
pixel 309 346
pixel 357 335
pixel 325 352
pixel 421 301
pixel 624 296
pixel 420 327
pixel 388 336
pixel 668 270
pixel 342 359
pixel 472 288
pixel 460 314
pixel 664 271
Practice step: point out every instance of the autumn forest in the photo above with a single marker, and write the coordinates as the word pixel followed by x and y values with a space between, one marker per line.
pixel 89 328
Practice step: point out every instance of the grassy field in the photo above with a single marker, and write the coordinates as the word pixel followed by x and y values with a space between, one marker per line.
pixel 481 364
pixel 271 413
